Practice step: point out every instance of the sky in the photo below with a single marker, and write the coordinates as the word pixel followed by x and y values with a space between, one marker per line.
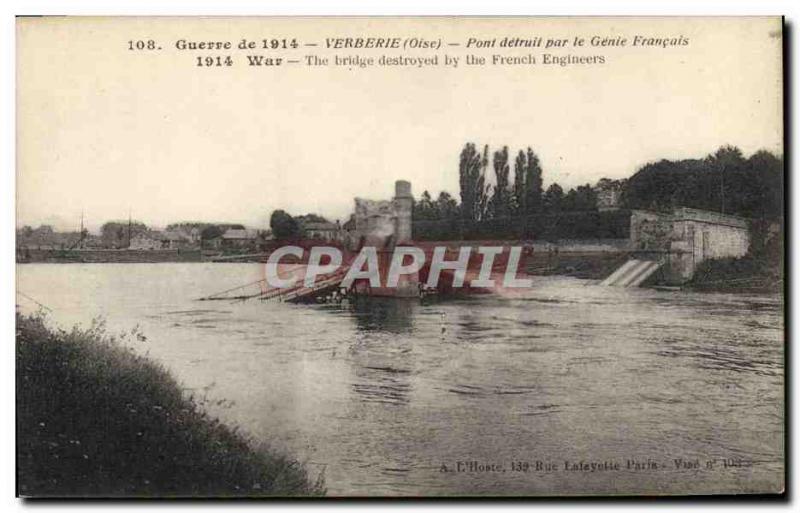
pixel 106 131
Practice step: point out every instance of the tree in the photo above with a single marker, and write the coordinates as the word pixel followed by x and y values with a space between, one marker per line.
pixel 424 209
pixel 533 184
pixel 446 207
pixel 726 160
pixel 118 234
pixel 211 232
pixel 553 198
pixel 662 184
pixel 437 219
pixel 724 180
pixel 766 170
pixel 500 204
pixel 310 218
pixel 583 197
pixel 519 183
pixel 187 226
pixel 472 181
pixel 283 225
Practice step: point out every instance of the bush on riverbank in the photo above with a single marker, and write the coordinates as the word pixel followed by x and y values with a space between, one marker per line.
pixel 96 419
pixel 732 274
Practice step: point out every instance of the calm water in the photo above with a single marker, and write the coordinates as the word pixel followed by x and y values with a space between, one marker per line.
pixel 383 397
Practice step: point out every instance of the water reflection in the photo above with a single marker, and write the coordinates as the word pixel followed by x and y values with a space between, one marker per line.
pixel 392 315
pixel 716 355
pixel 381 384
pixel 381 355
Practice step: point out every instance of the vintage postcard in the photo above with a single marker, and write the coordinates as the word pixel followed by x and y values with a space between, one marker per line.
pixel 400 257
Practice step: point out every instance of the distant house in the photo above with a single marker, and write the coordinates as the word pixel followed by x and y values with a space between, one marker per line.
pixel 322 230
pixel 146 241
pixel 175 240
pixel 152 239
pixel 235 238
pixel 92 242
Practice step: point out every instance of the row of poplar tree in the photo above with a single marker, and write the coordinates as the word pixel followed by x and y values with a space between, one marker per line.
pixel 481 201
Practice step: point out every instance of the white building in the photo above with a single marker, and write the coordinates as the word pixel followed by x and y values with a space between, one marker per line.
pixel 689 236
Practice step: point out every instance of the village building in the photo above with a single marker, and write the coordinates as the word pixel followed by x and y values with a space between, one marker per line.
pixel 323 230
pixel 238 238
pixel 152 240
pixel 145 241
pixel 175 240
pixel 686 237
pixel 91 242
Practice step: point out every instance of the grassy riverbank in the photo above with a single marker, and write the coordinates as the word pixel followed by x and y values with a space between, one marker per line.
pixel 746 274
pixel 96 419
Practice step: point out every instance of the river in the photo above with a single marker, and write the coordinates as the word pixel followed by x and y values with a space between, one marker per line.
pixel 487 395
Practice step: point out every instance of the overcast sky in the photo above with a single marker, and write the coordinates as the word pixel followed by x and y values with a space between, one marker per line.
pixel 104 130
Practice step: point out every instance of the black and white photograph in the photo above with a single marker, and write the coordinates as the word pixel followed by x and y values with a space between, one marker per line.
pixel 400 257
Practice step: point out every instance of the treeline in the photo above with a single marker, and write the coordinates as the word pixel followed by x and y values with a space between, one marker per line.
pixel 513 207
pixel 117 234
pixel 285 226
pixel 724 181
pixel 481 201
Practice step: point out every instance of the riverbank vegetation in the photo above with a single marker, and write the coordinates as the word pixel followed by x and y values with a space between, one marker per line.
pixel 746 274
pixel 96 419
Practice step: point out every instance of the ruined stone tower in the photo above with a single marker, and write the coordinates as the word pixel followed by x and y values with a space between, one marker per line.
pixel 403 206
pixel 381 222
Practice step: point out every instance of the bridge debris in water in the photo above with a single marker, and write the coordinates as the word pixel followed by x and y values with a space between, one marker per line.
pixel 324 285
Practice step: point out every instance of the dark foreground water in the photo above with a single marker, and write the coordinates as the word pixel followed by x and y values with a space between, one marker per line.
pixel 664 392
